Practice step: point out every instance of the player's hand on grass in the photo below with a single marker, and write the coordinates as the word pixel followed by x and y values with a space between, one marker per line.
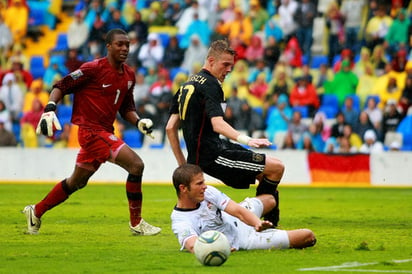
pixel 145 126
pixel 48 121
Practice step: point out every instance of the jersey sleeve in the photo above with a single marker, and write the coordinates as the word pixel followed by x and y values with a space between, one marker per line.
pixel 182 228
pixel 216 197
pixel 77 78
pixel 174 106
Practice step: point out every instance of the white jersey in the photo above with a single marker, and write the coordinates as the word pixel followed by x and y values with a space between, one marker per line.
pixel 210 215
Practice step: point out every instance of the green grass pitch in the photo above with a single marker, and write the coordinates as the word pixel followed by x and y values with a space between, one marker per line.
pixel 366 230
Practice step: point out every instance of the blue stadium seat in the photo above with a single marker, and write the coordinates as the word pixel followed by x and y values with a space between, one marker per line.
pixel 304 110
pixel 318 60
pixel 305 60
pixel 64 110
pixel 329 111
pixel 336 59
pixel 37 68
pixel 329 105
pixel 356 101
pixel 36 17
pixel 61 42
pixel 133 138
pixel 377 99
pixel 16 129
pixel 258 110
pixel 64 114
pixel 164 38
pixel 179 37
pixel 330 100
pixel 40 15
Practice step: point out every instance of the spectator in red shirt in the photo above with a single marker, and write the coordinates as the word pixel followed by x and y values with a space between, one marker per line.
pixel 304 94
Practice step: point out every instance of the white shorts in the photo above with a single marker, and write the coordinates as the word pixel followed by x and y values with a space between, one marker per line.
pixel 249 238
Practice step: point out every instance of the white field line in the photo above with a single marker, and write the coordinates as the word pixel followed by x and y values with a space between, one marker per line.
pixel 348 267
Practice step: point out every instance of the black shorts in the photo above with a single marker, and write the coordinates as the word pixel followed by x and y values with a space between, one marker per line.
pixel 236 166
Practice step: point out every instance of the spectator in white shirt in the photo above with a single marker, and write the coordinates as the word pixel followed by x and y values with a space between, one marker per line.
pixel 371 144
pixel 151 53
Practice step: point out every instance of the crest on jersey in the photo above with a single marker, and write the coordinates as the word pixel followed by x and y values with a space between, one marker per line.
pixel 113 137
pixel 129 84
pixel 76 74
pixel 257 157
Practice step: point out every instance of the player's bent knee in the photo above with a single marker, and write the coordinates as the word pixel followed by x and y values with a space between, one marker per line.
pixel 274 166
pixel 136 168
pixel 268 202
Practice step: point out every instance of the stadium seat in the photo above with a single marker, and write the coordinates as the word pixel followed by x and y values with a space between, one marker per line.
pixel 305 60
pixel 318 60
pixel 64 114
pixel 61 42
pixel 377 99
pixel 16 129
pixel 258 110
pixel 304 110
pixel 37 67
pixel 179 37
pixel 356 101
pixel 330 100
pixel 36 17
pixel 329 105
pixel 164 38
pixel 133 138
pixel 329 111
pixel 336 59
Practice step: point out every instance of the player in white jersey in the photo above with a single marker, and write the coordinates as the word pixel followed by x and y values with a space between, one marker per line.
pixel 200 208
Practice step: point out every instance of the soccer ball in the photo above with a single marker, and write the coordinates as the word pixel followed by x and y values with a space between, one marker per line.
pixel 212 248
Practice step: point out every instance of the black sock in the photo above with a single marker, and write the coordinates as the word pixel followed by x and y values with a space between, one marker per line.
pixel 267 186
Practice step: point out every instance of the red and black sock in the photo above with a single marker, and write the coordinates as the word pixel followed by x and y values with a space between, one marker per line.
pixel 56 196
pixel 135 197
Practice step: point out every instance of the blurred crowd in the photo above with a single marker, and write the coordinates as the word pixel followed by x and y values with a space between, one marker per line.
pixel 329 76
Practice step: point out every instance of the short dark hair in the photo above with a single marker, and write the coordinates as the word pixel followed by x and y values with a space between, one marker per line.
pixel 110 35
pixel 183 175
pixel 220 46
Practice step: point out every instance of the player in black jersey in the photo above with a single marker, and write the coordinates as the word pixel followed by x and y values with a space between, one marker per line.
pixel 198 109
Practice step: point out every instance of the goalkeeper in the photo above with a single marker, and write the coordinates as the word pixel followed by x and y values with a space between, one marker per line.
pixel 100 88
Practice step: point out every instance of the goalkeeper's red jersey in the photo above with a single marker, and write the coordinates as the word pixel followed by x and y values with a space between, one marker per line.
pixel 100 91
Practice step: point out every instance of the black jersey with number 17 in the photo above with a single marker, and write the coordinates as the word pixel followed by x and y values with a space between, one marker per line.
pixel 196 102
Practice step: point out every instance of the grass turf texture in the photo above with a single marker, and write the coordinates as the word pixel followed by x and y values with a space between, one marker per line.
pixel 89 232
